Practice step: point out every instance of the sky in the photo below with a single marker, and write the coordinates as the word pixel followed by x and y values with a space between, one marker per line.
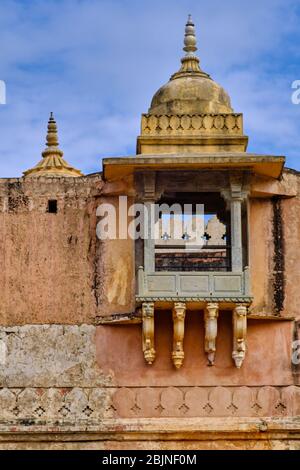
pixel 97 63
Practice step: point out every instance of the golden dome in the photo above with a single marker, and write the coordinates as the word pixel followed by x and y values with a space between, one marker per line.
pixel 190 91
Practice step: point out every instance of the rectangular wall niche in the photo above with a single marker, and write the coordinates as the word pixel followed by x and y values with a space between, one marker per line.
pixel 52 206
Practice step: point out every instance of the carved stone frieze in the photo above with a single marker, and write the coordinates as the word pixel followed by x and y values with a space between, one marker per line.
pixel 75 405
pixel 194 124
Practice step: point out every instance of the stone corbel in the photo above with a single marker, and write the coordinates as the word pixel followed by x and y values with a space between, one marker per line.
pixel 239 320
pixel 146 186
pixel 179 310
pixel 148 332
pixel 211 329
pixel 238 189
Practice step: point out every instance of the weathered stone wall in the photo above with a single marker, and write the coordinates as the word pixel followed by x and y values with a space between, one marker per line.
pixel 53 267
pixel 75 375
pixel 115 269
pixel 55 270
pixel 88 356
pixel 58 392
pixel 50 356
pixel 59 370
pixel 47 259
pixel 260 254
pixel 274 249
pixel 267 361
pixel 291 248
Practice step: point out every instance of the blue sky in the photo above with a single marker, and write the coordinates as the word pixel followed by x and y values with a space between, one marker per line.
pixel 96 64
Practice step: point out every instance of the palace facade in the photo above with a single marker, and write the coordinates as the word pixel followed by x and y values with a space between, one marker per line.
pixel 154 343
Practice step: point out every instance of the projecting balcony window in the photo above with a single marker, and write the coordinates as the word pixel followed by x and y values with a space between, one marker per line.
pixel 196 254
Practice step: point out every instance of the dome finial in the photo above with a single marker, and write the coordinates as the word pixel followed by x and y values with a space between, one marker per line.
pixel 52 136
pixel 190 41
pixel 190 62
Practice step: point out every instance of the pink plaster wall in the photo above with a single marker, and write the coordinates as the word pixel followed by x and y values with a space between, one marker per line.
pixel 119 350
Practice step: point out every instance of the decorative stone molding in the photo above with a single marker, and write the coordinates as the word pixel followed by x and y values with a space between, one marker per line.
pixel 195 299
pixel 239 320
pixel 211 330
pixel 198 285
pixel 195 124
pixel 179 310
pixel 148 332
pixel 42 406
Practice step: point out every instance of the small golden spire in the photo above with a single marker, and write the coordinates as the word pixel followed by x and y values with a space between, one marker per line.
pixel 52 163
pixel 52 139
pixel 190 62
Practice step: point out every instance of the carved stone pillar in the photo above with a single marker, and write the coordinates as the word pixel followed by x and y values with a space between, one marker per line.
pixel 148 332
pixel 236 234
pixel 211 329
pixel 239 321
pixel 234 198
pixel 149 203
pixel 149 243
pixel 179 310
